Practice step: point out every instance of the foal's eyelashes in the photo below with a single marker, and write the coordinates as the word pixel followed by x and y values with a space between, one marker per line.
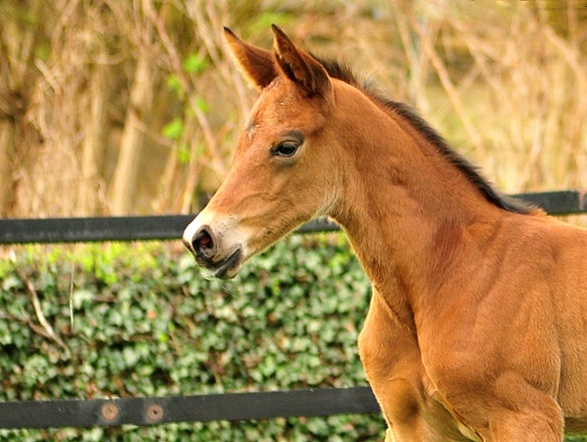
pixel 285 149
pixel 288 144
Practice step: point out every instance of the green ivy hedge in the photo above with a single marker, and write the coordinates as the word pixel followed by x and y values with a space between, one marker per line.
pixel 141 320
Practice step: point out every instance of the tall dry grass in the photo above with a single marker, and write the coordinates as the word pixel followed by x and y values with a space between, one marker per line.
pixel 99 131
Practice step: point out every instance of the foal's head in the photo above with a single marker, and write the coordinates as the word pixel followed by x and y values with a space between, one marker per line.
pixel 284 170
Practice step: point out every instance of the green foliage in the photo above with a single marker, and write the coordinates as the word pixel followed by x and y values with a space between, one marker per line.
pixel 184 153
pixel 141 321
pixel 174 84
pixel 174 129
pixel 201 104
pixel 265 19
pixel 195 64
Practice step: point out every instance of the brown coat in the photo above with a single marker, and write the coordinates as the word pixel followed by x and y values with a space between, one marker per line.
pixel 477 328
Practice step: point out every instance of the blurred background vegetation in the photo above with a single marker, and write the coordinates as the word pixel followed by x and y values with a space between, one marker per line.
pixel 132 107
pixel 123 320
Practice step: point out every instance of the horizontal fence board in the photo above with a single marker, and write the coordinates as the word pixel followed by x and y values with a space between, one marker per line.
pixel 564 202
pixel 63 230
pixel 163 227
pixel 195 408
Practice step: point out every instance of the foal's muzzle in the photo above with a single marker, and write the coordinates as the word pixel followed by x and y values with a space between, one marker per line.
pixel 207 248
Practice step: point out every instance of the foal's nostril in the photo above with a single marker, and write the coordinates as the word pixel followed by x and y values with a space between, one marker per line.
pixel 204 240
pixel 203 243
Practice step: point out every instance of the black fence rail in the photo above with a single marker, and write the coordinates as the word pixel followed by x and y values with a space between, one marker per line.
pixel 163 227
pixel 194 408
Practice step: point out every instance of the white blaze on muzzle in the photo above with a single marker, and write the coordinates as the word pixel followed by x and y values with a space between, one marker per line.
pixel 217 242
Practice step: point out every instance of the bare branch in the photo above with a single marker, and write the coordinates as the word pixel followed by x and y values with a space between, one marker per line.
pixel 48 329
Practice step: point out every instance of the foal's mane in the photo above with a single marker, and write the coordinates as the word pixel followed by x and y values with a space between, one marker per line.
pixel 344 73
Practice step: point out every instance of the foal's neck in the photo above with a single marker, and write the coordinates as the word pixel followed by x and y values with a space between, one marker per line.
pixel 406 206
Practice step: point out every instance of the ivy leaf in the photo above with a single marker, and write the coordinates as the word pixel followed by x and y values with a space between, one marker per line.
pixel 11 282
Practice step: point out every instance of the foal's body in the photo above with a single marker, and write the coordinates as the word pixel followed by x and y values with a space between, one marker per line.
pixel 478 314
pixel 477 328
pixel 495 346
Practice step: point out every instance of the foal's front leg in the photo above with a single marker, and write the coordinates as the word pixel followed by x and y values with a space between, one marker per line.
pixel 391 360
pixel 401 407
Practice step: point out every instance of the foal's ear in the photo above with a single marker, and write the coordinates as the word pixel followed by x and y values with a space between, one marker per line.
pixel 299 66
pixel 256 64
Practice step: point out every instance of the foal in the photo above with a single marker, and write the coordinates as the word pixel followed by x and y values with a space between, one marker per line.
pixel 477 328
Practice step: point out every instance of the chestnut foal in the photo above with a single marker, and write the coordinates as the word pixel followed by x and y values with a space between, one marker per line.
pixel 477 328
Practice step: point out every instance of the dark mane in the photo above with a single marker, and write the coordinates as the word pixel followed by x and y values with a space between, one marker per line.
pixel 344 73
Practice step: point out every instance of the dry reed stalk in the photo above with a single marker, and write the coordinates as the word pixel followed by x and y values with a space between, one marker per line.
pixel 449 87
pixel 418 63
pixel 535 141
pixel 205 15
pixel 212 158
pixel 93 148
pixel 125 176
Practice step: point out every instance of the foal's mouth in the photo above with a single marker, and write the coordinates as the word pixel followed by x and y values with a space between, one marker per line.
pixel 221 269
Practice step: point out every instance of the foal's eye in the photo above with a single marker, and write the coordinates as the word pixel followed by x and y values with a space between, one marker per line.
pixel 288 145
pixel 285 149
